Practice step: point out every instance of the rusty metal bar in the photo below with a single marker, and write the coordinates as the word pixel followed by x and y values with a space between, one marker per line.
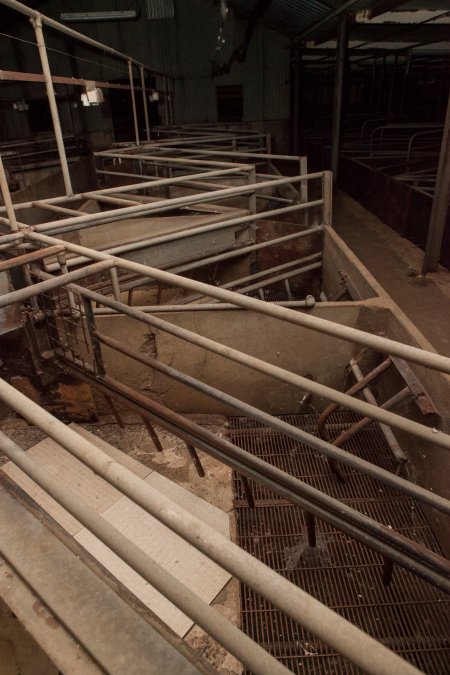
pixel 7 198
pixel 301 607
pixel 342 399
pixel 375 342
pixel 27 258
pixel 357 387
pixel 55 282
pixel 394 445
pixel 403 551
pixel 19 76
pixel 321 446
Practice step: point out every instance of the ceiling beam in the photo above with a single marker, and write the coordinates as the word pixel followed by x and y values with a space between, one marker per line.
pixel 406 32
pixel 387 6
pixel 9 76
pixel 346 7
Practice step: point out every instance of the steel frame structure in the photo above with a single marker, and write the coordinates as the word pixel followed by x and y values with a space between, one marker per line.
pixel 198 171
pixel 38 21
pixel 78 298
pixel 59 296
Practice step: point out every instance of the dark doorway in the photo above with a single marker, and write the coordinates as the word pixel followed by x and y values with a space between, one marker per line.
pixel 230 106
pixel 39 115
pixel 122 110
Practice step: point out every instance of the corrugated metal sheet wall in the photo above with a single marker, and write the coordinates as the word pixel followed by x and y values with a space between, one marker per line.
pixel 184 46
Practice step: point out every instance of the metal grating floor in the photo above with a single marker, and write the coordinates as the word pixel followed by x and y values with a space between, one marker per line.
pixel 410 616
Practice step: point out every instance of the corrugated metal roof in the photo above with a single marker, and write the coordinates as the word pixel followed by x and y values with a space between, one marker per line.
pixel 291 16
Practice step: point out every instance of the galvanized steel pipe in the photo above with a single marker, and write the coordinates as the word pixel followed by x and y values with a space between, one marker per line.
pixel 216 625
pixel 375 342
pixel 349 640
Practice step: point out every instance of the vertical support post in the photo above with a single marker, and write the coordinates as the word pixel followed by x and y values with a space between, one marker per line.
pixel 388 568
pixel 441 199
pixel 381 86
pixel 153 435
pixel 405 81
pixel 95 342
pixel 248 492
pixel 171 95
pixel 7 198
pixel 166 102
pixel 372 84
pixel 115 282
pixel 303 166
pixel 144 100
pixel 37 25
pixel 392 85
pixel 327 196
pixel 133 102
pixel 310 529
pixel 341 53
pixel 295 89
pixel 61 258
pixel 195 460
pixel 252 197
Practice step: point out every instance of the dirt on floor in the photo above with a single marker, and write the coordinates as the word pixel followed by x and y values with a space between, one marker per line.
pixel 175 464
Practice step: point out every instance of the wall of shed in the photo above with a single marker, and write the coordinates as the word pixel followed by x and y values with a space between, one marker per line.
pixel 183 46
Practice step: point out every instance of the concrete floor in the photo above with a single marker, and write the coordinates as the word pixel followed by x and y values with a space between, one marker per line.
pixel 396 263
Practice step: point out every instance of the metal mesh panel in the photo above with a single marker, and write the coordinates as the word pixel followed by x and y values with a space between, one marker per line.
pixel 409 616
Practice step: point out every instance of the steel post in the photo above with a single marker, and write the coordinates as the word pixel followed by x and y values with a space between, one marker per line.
pixel 37 24
pixel 133 101
pixel 439 209
pixel 144 101
pixel 341 54
pixel 7 198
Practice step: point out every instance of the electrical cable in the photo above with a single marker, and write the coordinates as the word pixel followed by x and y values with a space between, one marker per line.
pixel 70 56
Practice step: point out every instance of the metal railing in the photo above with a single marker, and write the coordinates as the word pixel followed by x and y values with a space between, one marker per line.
pixel 61 300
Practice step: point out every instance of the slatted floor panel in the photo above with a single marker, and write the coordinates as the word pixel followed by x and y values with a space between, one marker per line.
pixel 409 616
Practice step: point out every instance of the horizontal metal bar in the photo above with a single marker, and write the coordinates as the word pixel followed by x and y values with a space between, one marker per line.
pixel 229 153
pixel 375 342
pixel 154 182
pixel 387 432
pixel 199 307
pixel 143 209
pixel 322 446
pixel 11 238
pixel 301 607
pixel 20 76
pixel 162 160
pixel 55 208
pixel 414 557
pixel 199 229
pixel 28 258
pixel 55 282
pixel 226 633
pixel 365 409
pixel 271 271
pixel 244 250
pixel 280 277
